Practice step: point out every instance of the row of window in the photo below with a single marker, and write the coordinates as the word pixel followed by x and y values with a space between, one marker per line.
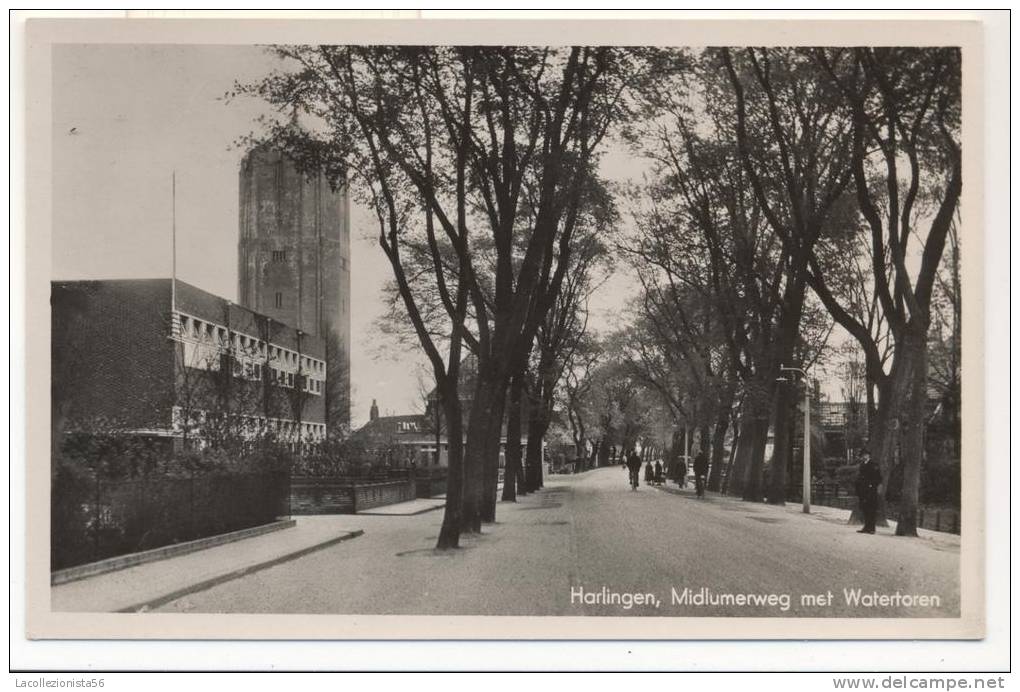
pixel 281 256
pixel 254 425
pixel 288 379
pixel 188 328
pixel 194 357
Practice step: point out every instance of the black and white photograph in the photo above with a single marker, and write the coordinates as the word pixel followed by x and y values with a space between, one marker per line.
pixel 617 336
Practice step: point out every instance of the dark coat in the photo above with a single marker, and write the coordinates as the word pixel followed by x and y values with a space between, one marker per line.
pixel 869 477
pixel 701 465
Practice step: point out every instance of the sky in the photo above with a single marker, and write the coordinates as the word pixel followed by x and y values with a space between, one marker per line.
pixel 125 117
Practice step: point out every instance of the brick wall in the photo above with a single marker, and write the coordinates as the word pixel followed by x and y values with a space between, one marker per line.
pixel 321 496
pixel 345 496
pixel 115 367
pixel 370 495
pixel 113 362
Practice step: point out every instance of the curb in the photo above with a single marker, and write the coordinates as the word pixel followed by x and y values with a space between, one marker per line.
pixel 119 562
pixel 408 514
pixel 235 574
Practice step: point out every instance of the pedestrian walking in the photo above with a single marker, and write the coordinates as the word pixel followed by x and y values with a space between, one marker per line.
pixel 869 480
pixel 682 473
pixel 658 472
pixel 700 472
pixel 634 466
pixel 649 473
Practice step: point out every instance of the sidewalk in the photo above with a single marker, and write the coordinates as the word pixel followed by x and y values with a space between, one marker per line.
pixel 419 506
pixel 591 533
pixel 836 515
pixel 832 515
pixel 150 585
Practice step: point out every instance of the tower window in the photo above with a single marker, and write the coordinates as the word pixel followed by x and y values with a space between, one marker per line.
pixel 279 255
pixel 279 300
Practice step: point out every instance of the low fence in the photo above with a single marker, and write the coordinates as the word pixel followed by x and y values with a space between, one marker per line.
pixel 349 495
pixel 945 519
pixel 92 519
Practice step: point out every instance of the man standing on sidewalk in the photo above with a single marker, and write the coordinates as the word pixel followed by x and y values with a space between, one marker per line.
pixel 869 479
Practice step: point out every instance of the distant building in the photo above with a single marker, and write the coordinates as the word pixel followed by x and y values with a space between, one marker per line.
pixel 399 441
pixel 845 427
pixel 294 257
pixel 168 361
pixel 420 438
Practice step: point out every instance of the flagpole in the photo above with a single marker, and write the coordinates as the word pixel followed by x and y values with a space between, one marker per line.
pixel 173 242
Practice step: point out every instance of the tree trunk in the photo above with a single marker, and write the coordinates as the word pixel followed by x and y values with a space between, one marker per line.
pixel 533 463
pixel 891 428
pixel 513 441
pixel 783 444
pixel 753 483
pixel 742 459
pixel 888 430
pixel 703 440
pixel 449 533
pixel 602 451
pixel 730 465
pixel 759 405
pixel 722 423
pixel 478 450
pixel 490 470
pixel 580 448
pixel 912 453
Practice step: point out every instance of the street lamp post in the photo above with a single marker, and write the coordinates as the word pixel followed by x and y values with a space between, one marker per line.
pixel 807 436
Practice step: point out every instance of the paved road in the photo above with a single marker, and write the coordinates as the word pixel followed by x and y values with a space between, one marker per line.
pixel 588 545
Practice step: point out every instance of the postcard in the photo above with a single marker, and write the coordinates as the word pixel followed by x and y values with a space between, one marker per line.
pixel 489 329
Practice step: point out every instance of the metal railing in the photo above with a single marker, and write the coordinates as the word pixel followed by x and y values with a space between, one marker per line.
pixel 933 518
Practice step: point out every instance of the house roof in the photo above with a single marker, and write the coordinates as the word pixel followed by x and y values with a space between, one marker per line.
pixel 393 426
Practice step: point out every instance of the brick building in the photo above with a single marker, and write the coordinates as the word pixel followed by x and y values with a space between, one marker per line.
pixel 844 426
pixel 397 441
pixel 294 258
pixel 421 437
pixel 163 359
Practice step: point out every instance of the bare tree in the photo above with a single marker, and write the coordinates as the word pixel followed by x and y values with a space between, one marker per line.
pixel 795 146
pixel 456 146
pixel 577 386
pixel 905 108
